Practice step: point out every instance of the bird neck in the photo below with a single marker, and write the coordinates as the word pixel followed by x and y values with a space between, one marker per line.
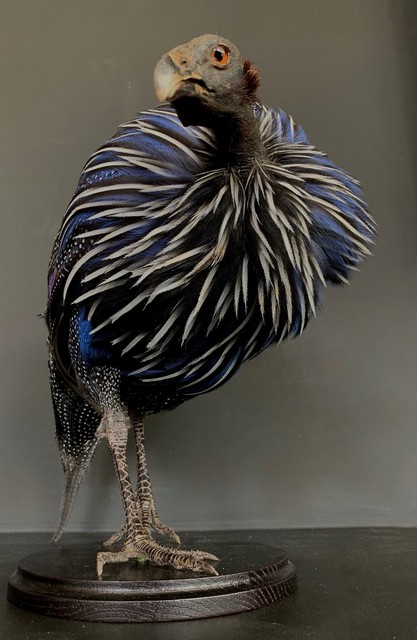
pixel 238 137
pixel 235 128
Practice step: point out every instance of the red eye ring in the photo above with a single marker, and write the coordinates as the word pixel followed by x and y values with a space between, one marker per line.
pixel 220 55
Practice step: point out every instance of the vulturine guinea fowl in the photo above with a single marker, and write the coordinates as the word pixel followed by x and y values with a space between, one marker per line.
pixel 202 232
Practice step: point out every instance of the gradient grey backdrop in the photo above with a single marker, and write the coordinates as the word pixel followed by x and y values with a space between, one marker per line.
pixel 320 431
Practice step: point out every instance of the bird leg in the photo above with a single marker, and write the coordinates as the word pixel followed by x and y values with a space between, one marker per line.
pixel 144 495
pixel 114 426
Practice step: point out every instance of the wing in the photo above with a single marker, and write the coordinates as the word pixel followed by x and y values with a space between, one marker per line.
pixel 121 217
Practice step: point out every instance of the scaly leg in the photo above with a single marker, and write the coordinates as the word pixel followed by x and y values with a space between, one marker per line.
pixel 114 426
pixel 144 495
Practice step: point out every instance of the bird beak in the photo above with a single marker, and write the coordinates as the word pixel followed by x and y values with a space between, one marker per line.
pixel 175 77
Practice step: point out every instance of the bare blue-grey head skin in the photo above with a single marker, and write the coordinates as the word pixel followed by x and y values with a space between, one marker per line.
pixel 208 68
pixel 204 231
pixel 209 83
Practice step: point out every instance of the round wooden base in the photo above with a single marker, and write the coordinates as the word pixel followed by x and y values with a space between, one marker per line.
pixel 61 581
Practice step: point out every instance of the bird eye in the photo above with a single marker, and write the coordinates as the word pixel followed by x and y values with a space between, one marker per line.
pixel 220 55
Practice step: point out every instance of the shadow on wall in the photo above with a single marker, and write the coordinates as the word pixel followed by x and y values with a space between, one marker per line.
pixel 404 19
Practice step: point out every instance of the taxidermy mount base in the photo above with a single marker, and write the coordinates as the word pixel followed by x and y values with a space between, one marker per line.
pixel 62 581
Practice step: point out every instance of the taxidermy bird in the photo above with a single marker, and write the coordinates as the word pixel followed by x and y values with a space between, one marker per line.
pixel 204 231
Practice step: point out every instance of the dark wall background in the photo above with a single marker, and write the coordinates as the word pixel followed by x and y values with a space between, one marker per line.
pixel 320 431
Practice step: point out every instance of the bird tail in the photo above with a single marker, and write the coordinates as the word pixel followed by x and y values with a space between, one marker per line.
pixel 75 471
pixel 76 424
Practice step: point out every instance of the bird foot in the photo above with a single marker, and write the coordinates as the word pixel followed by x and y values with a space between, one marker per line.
pixel 146 547
pixel 156 525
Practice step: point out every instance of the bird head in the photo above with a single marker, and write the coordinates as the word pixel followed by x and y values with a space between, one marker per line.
pixel 206 79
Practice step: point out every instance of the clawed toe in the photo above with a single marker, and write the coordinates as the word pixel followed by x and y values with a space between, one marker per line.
pixel 200 555
pixel 208 556
pixel 116 537
pixel 106 557
pixel 207 568
pixel 147 547
pixel 161 528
